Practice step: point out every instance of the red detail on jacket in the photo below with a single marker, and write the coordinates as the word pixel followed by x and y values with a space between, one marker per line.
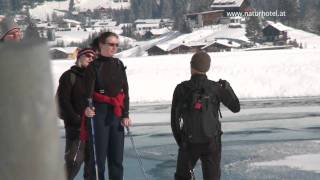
pixel 117 102
pixel 198 106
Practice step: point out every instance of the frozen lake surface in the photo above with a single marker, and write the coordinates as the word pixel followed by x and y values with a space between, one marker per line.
pixel 268 139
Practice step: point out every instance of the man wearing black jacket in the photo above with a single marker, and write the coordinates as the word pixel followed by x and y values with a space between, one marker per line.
pixel 197 130
pixel 71 105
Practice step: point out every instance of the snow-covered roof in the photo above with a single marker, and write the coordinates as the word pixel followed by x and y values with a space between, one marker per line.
pixel 70 50
pixel 58 49
pixel 204 12
pixel 147 21
pixel 72 21
pixel 147 25
pixel 159 31
pixel 169 47
pixel 195 43
pixel 67 50
pixel 224 42
pixel 277 25
pixel 100 20
pixel 124 24
pixel 105 23
pixel 226 3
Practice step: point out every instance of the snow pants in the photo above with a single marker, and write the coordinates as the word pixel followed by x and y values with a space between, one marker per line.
pixel 75 154
pixel 109 142
pixel 208 153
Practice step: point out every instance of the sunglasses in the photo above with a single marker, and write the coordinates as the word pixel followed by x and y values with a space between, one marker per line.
pixel 89 56
pixel 113 44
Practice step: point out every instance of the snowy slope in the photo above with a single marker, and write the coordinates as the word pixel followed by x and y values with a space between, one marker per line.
pixel 308 40
pixel 202 35
pixel 257 74
pixel 210 33
pixel 140 49
pixel 47 8
pixel 92 4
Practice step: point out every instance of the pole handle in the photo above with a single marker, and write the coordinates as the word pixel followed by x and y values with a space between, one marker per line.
pixel 128 130
pixel 90 103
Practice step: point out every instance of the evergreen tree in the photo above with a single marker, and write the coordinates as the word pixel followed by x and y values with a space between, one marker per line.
pixel 165 8
pixel 311 19
pixel 31 32
pixel 253 28
pixel 200 5
pixel 71 7
pixel 5 7
pixel 292 8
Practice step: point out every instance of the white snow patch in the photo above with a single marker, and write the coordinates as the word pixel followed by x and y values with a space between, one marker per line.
pixel 306 162
pixel 255 74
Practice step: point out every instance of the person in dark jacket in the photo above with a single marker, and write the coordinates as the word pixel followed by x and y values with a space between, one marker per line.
pixel 71 104
pixel 106 82
pixel 209 150
pixel 9 30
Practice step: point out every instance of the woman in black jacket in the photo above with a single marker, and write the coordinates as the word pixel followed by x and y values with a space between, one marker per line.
pixel 106 82
pixel 71 104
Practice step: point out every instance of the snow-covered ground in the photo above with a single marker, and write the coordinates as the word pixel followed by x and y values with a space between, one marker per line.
pixel 48 7
pixel 306 162
pixel 308 40
pixel 80 35
pixel 221 31
pixel 257 74
pixel 271 140
pixel 140 49
pixel 201 35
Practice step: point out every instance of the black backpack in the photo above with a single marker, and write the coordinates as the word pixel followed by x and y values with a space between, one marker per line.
pixel 200 113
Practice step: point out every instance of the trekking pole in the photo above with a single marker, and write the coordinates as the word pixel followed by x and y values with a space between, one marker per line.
pixel 137 153
pixel 93 140
pixel 76 155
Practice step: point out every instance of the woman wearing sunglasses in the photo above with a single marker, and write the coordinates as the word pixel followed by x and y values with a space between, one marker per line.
pixel 71 104
pixel 106 83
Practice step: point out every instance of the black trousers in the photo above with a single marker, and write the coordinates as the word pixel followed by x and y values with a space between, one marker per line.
pixel 76 153
pixel 109 142
pixel 208 153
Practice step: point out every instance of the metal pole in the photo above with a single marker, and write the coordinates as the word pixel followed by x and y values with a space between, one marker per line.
pixel 93 141
pixel 138 155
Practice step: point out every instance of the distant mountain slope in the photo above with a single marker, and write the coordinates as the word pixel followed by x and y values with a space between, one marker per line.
pixel 47 8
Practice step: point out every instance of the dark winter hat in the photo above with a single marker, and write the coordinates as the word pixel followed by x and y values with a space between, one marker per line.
pixel 200 61
pixel 7 25
pixel 86 51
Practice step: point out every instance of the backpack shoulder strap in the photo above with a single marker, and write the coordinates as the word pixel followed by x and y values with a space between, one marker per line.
pixel 72 78
pixel 97 67
pixel 120 63
pixel 211 86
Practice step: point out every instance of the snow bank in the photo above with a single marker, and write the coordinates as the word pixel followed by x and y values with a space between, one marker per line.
pixel 306 162
pixel 257 74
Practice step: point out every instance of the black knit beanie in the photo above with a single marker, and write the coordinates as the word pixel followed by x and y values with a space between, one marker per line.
pixel 200 61
pixel 7 24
